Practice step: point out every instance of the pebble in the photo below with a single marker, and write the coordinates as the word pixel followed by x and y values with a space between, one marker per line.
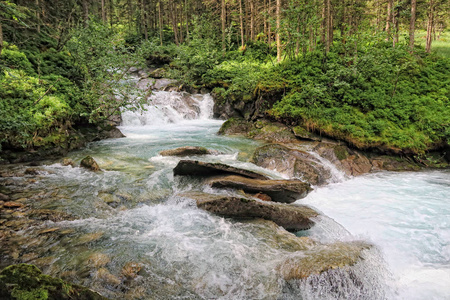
pixel 11 204
pixel 131 270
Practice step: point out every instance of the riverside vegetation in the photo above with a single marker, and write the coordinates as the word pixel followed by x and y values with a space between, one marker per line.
pixel 366 93
pixel 63 78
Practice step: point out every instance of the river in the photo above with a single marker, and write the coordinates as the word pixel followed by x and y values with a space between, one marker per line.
pixel 128 218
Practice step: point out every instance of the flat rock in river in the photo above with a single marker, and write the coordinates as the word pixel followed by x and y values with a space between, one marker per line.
pixel 185 151
pixel 286 191
pixel 206 169
pixel 322 258
pixel 291 217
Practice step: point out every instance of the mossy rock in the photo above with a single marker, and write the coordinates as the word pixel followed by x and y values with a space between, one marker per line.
pixel 341 152
pixel 89 163
pixel 234 126
pixel 27 282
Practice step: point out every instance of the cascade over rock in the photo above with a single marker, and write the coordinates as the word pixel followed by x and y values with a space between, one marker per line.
pixel 206 169
pixel 291 162
pixel 286 191
pixel 291 217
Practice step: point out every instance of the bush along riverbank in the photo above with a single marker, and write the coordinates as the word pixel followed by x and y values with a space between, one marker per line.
pixel 57 98
pixel 380 99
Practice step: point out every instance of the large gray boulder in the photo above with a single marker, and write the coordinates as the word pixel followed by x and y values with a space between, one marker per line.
pixel 206 169
pixel 286 191
pixel 291 217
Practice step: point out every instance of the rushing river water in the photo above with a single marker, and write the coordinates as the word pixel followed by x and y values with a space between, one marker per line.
pixel 130 219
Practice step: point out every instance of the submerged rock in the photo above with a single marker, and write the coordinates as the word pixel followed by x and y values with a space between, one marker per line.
pixel 67 162
pixel 286 191
pixel 89 163
pixel 12 204
pixel 205 169
pixel 322 258
pixel 291 217
pixel 24 281
pixel 185 151
pixel 278 238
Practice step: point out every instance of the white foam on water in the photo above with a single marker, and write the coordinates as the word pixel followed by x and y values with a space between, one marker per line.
pixel 407 215
pixel 170 107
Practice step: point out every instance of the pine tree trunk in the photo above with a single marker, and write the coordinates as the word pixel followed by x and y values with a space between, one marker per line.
pixel 430 26
pixel 329 17
pixel 180 32
pixel 324 22
pixel 103 11
pixel 395 18
pixel 130 14
pixel 278 16
pixel 160 23
pixel 241 19
pixel 38 16
pixel 186 8
pixel 389 18
pixel 111 12
pixel 412 24
pixel 269 30
pixel 1 37
pixel 252 20
pixel 265 18
pixel 223 19
pixel 86 12
pixel 145 18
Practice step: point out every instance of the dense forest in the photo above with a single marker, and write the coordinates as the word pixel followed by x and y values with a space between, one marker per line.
pixel 375 74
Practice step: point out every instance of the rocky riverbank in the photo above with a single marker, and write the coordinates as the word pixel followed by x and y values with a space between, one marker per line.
pixel 296 152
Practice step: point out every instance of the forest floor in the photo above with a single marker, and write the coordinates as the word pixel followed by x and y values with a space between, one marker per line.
pixel 440 46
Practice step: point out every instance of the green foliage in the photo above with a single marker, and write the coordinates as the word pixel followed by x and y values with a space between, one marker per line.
pixel 12 58
pixel 382 97
pixel 103 59
pixel 239 77
pixel 156 54
pixel 33 108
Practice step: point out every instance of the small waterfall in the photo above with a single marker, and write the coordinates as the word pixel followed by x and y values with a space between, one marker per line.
pixel 336 174
pixel 170 107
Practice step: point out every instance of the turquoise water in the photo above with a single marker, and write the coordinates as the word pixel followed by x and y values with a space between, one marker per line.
pixel 130 213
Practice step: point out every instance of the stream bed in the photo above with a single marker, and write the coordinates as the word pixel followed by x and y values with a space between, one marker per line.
pixel 129 236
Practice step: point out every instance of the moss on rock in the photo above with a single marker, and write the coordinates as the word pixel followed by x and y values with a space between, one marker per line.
pixel 27 282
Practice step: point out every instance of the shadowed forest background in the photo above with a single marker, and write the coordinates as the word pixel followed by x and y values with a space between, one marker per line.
pixel 375 74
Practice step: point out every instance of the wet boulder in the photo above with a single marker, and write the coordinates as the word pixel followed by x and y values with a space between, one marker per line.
pixel 291 217
pixel 89 163
pixel 286 191
pixel 349 161
pixel 322 258
pixel 186 151
pixel 206 169
pixel 291 162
